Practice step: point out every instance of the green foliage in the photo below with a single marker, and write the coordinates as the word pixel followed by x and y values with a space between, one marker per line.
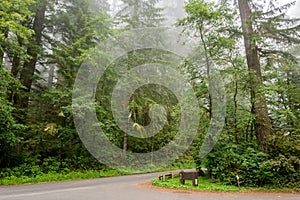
pixel 213 24
pixel 206 184
pixel 47 141
pixel 80 29
pixel 253 167
pixel 237 152
pixel 8 134
pixel 283 95
pixel 139 104
pixel 46 146
pixel 9 129
pixel 12 178
pixel 13 15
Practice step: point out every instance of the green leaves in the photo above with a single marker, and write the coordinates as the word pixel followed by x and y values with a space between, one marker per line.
pixel 9 129
pixel 14 14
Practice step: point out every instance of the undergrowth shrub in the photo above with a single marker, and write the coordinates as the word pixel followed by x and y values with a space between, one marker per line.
pixel 253 167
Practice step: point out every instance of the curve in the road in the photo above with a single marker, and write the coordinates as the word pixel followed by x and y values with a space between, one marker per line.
pixel 122 188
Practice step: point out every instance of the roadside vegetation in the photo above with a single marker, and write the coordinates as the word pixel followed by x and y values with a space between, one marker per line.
pixel 207 184
pixel 54 177
pixel 37 175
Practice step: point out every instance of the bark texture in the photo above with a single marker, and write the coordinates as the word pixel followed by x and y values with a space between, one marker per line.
pixel 259 105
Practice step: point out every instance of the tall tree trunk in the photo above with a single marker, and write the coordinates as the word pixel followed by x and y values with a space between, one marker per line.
pixel 208 68
pixel 16 60
pixel 15 72
pixel 125 139
pixel 2 48
pixel 259 105
pixel 51 76
pixel 1 56
pixel 235 100
pixel 125 144
pixel 152 149
pixel 27 72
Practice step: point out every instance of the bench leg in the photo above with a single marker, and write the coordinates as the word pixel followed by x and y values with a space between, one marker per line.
pixel 195 182
pixel 182 181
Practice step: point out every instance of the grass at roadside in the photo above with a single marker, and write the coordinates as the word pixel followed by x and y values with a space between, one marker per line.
pixel 54 177
pixel 80 175
pixel 205 184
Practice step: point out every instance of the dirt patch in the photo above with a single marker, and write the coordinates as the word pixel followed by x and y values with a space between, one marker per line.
pixel 148 185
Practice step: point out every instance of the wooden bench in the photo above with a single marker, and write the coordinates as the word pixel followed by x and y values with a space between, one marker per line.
pixel 164 177
pixel 193 176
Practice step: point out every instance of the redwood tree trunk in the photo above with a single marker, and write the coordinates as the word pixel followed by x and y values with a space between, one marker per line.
pixel 259 105
pixel 33 50
pixel 16 60
pixel 1 57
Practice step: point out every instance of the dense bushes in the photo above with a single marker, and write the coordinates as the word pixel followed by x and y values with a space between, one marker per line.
pixel 253 167
pixel 51 165
pixel 9 128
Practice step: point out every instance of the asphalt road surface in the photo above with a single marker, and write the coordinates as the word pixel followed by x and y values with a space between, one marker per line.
pixel 122 188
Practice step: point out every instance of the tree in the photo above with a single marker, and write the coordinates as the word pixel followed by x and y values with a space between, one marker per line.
pixel 259 105
pixel 9 129
pixel 72 30
pixel 213 25
pixel 266 37
pixel 283 89
pixel 136 14
pixel 34 50
pixel 139 14
pixel 78 29
pixel 13 30
pixel 60 36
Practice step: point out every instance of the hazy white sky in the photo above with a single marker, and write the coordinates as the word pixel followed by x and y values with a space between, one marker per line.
pixel 295 11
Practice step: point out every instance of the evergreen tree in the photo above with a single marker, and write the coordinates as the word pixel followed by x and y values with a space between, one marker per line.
pixel 34 51
pixel 137 14
pixel 78 29
pixel 259 105
pixel 266 35
pixel 140 14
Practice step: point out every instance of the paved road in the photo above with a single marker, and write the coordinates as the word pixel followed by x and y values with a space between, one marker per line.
pixel 119 188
